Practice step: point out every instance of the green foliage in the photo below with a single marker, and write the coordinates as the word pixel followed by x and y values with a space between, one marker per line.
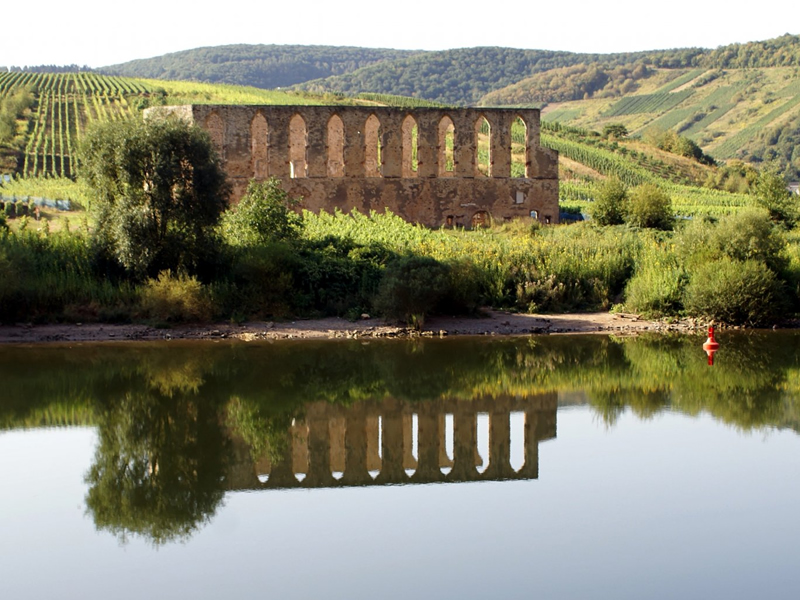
pixel 159 191
pixel 771 193
pixel 670 141
pixel 649 206
pixel 174 298
pixel 610 204
pixel 263 215
pixel 733 291
pixel 412 288
pixel 615 130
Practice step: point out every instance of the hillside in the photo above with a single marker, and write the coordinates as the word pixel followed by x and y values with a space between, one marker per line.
pixel 263 66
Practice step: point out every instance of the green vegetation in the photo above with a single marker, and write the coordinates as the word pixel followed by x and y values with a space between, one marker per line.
pixel 158 193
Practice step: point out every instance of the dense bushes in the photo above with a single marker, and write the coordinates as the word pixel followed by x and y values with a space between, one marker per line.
pixel 733 272
pixel 738 270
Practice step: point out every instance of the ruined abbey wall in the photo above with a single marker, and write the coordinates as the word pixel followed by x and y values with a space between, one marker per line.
pixel 422 164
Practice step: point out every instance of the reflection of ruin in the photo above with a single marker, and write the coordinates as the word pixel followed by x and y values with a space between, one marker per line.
pixel 434 166
pixel 389 442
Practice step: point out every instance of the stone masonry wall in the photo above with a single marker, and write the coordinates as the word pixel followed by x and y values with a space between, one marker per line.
pixel 362 158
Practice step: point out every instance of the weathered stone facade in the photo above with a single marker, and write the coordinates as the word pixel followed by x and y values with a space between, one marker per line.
pixel 368 158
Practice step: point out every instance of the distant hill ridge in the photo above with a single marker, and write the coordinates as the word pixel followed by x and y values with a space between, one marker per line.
pixel 458 76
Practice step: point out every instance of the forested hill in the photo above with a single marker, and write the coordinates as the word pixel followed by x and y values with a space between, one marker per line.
pixel 263 66
pixel 460 76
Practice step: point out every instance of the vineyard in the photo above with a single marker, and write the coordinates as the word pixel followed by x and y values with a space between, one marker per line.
pixel 65 104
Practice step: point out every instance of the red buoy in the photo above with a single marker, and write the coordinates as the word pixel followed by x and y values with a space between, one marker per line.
pixel 711 345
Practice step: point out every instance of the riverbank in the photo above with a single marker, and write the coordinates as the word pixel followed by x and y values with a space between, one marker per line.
pixel 493 323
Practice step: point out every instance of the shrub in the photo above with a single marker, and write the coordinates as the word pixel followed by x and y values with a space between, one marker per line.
pixel 264 214
pixel 749 234
pixel 656 290
pixel 174 298
pixel 649 206
pixel 10 210
pixel 734 292
pixel 411 288
pixel 610 205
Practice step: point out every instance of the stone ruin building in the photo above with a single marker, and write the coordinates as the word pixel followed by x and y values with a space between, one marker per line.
pixel 422 164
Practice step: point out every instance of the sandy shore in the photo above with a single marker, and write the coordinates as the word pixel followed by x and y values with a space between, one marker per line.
pixel 494 323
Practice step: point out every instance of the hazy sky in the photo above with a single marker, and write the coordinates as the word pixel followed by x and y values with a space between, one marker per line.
pixel 102 33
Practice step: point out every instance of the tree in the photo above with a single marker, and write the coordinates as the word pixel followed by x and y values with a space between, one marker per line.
pixel 159 191
pixel 649 206
pixel 609 206
pixel 772 194
pixel 615 130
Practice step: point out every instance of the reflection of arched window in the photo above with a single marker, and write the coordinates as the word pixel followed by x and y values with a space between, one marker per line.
pixel 410 136
pixel 480 219
pixel 216 129
pixel 335 147
pixel 259 140
pixel 298 147
pixel 483 148
pixel 519 148
pixel 372 147
pixel 446 141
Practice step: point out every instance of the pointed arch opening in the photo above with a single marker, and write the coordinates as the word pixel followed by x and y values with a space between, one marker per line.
pixel 259 146
pixel 483 148
pixel 335 147
pixel 519 148
pixel 446 150
pixel 410 134
pixel 298 147
pixel 372 147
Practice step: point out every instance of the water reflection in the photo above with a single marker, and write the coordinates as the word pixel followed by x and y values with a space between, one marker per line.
pixel 181 424
pixel 393 441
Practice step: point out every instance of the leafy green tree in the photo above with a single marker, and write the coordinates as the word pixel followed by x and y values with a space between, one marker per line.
pixel 772 194
pixel 610 204
pixel 263 215
pixel 649 206
pixel 159 191
pixel 615 130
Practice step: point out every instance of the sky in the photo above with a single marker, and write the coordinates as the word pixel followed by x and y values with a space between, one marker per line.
pixel 95 33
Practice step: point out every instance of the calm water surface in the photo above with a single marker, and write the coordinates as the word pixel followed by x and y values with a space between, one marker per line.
pixel 554 467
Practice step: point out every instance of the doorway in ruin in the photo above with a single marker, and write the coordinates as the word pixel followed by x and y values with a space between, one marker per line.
pixel 481 219
pixel 446 147
pixel 335 147
pixel 298 147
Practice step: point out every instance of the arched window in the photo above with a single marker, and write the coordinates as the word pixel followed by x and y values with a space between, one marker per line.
pixel 298 148
pixel 483 148
pixel 519 148
pixel 446 147
pixel 259 140
pixel 410 136
pixel 335 147
pixel 372 147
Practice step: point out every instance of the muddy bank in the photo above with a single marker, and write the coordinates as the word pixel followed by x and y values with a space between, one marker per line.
pixel 494 323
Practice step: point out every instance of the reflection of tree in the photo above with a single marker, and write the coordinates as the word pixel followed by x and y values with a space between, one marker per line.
pixel 159 466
